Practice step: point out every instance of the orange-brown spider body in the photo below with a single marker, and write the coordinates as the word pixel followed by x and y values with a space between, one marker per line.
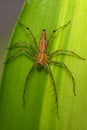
pixel 42 57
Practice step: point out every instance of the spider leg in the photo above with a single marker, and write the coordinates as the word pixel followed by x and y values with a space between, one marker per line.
pixel 66 68
pixel 65 52
pixel 19 52
pixel 27 28
pixel 54 86
pixel 20 44
pixel 26 80
pixel 23 44
pixel 58 29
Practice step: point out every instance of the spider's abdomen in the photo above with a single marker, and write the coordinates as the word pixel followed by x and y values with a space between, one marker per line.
pixel 41 58
pixel 43 42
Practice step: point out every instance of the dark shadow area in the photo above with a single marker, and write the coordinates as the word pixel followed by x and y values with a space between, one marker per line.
pixel 9 12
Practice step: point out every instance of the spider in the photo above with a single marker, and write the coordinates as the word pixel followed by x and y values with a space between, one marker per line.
pixel 41 57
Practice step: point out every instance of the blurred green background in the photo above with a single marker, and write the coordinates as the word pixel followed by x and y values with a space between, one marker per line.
pixel 9 12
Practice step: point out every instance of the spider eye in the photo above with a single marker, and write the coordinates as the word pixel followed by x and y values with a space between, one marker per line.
pixel 27 28
pixel 54 31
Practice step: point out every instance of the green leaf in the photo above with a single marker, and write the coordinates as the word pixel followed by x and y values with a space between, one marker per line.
pixel 40 112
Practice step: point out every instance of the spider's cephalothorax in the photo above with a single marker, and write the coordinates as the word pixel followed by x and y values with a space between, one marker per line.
pixel 40 56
